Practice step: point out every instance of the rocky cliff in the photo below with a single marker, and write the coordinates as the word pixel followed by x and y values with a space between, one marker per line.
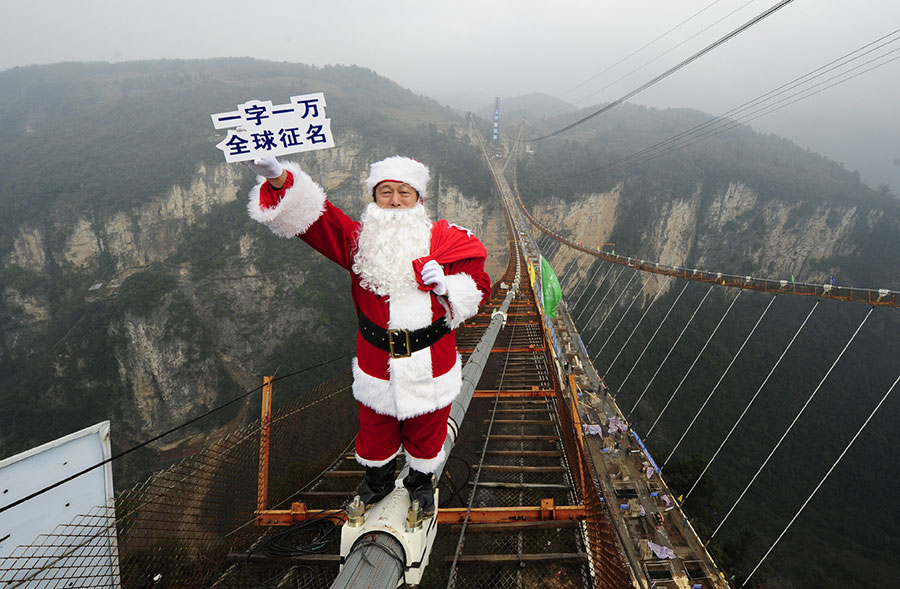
pixel 730 229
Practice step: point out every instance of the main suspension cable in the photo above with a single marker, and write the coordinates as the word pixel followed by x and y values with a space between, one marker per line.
pixel 727 120
pixel 671 70
pixel 636 51
pixel 667 51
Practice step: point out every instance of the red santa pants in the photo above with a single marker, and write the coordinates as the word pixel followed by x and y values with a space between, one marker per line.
pixel 381 436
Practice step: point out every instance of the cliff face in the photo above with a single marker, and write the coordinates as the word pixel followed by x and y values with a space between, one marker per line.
pixel 149 233
pixel 239 298
pixel 730 230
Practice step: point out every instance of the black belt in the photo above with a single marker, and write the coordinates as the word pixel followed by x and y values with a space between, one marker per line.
pixel 401 343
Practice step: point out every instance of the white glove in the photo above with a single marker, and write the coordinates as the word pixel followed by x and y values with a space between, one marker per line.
pixel 432 273
pixel 267 167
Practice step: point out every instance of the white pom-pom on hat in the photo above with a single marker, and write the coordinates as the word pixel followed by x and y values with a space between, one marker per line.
pixel 398 169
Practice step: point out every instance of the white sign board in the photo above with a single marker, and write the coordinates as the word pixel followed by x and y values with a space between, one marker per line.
pixel 87 554
pixel 260 129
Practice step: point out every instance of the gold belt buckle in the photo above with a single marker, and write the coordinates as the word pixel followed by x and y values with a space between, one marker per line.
pixel 392 333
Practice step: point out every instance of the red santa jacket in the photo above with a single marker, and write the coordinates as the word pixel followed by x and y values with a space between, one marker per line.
pixel 402 387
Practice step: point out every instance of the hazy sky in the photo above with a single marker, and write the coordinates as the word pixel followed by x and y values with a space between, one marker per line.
pixel 508 48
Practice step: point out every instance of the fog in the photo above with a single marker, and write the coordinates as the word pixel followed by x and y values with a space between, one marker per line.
pixel 464 53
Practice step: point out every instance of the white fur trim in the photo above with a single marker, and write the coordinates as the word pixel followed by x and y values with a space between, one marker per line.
pixel 373 392
pixel 302 205
pixel 464 298
pixel 426 465
pixel 376 463
pixel 428 395
pixel 409 309
pixel 400 169
pixel 420 393
pixel 411 383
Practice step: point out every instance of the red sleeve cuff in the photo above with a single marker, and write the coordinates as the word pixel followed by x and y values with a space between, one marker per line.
pixel 270 197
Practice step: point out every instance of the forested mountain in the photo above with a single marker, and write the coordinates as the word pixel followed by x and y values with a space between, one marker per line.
pixel 133 286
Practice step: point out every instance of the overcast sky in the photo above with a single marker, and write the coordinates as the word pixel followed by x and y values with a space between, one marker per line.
pixel 508 48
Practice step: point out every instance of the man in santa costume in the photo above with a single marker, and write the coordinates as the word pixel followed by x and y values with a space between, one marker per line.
pixel 413 282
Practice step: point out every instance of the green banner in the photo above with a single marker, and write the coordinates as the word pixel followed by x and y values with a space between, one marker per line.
pixel 551 288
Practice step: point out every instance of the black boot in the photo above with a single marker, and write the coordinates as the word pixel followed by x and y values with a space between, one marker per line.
pixel 378 484
pixel 421 489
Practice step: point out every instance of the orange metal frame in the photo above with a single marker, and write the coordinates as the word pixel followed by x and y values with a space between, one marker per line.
pixel 534 393
pixel 265 425
pixel 576 418
pixel 546 511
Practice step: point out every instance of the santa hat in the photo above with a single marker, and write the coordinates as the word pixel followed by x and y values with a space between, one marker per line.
pixel 398 169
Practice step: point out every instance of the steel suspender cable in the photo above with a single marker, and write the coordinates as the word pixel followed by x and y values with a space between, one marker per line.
pixel 671 70
pixel 545 250
pixel 556 246
pixel 568 271
pixel 596 290
pixel 590 283
pixel 721 378
pixel 752 399
pixel 600 304
pixel 796 418
pixel 694 363
pixel 573 289
pixel 572 266
pixel 768 109
pixel 613 306
pixel 808 499
pixel 638 324
pixel 557 250
pixel 634 299
pixel 675 343
pixel 652 337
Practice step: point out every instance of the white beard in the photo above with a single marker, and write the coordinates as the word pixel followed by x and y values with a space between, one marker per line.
pixel 389 241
